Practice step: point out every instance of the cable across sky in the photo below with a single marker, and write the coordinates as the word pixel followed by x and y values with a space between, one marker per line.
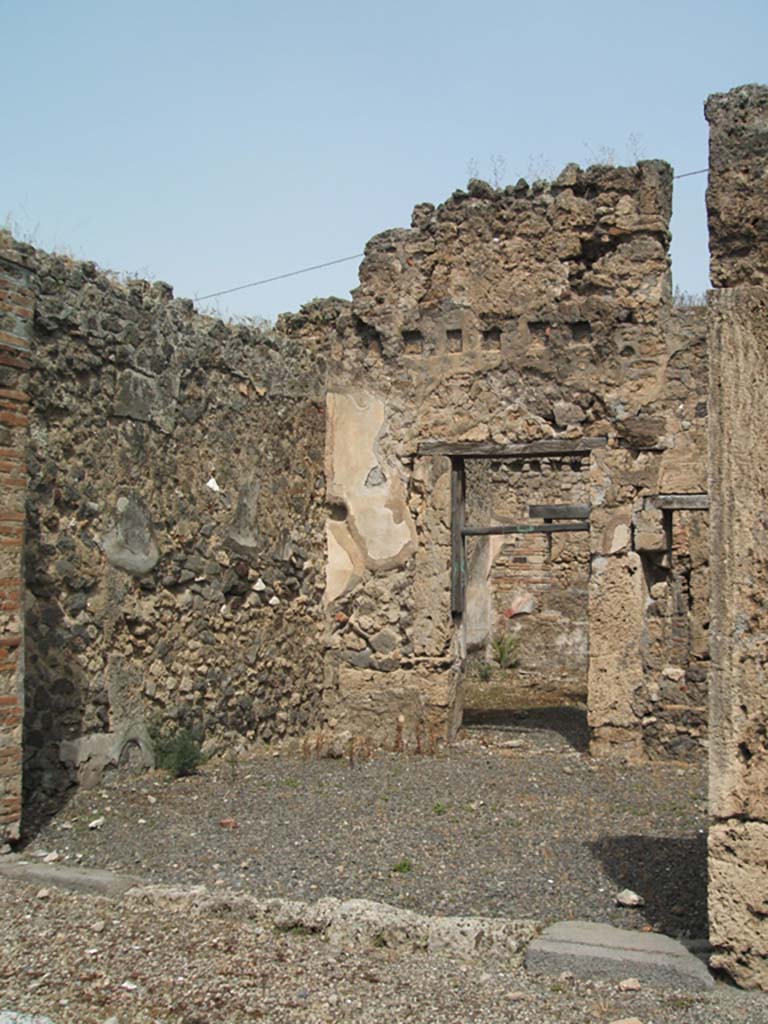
pixel 333 263
pixel 280 277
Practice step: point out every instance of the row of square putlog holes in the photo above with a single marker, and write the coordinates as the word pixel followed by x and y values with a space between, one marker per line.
pixel 414 342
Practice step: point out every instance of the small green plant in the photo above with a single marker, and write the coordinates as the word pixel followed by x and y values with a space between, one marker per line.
pixel 485 672
pixel 440 808
pixel 504 647
pixel 403 867
pixel 231 761
pixel 179 753
pixel 682 1002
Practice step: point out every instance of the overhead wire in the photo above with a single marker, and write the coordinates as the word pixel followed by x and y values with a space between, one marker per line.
pixel 279 277
pixel 333 263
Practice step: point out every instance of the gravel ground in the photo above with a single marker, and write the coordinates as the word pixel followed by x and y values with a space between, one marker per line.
pixel 513 821
pixel 535 829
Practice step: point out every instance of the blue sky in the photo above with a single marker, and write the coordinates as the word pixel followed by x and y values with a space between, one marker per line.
pixel 210 145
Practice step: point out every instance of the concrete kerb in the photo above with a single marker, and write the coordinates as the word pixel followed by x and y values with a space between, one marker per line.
pixel 589 950
pixel 585 949
pixel 84 880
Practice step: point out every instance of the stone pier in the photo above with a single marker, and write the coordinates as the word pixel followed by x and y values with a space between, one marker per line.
pixel 738 342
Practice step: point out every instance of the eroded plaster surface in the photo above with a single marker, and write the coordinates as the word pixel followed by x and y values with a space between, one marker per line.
pixel 369 490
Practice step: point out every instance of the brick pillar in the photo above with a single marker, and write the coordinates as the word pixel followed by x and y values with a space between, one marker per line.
pixel 16 309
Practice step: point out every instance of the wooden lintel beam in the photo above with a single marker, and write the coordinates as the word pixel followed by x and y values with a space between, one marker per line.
pixel 559 511
pixel 458 547
pixel 552 446
pixel 677 502
pixel 493 531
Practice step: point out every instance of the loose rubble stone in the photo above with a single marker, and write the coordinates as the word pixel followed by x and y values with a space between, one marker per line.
pixel 353 923
pixel 629 985
pixel 628 898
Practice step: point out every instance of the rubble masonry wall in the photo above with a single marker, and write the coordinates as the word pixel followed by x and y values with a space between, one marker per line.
pixel 246 532
pixel 504 317
pixel 174 545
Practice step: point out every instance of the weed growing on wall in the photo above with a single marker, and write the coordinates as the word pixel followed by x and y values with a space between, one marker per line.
pixel 504 650
pixel 180 752
pixel 688 300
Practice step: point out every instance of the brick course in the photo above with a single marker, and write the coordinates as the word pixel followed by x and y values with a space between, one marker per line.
pixel 16 311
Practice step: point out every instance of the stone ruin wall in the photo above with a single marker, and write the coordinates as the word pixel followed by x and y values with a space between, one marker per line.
pixel 174 528
pixel 501 317
pixel 737 202
pixel 246 532
pixel 506 317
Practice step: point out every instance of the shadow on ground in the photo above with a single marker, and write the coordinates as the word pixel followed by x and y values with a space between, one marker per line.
pixel 669 873
pixel 38 811
pixel 568 722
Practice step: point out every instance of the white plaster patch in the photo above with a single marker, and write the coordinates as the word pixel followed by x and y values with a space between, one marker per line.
pixel 377 515
pixel 619 539
pixel 345 562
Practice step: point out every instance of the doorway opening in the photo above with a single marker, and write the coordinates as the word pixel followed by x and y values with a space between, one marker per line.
pixel 520 588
